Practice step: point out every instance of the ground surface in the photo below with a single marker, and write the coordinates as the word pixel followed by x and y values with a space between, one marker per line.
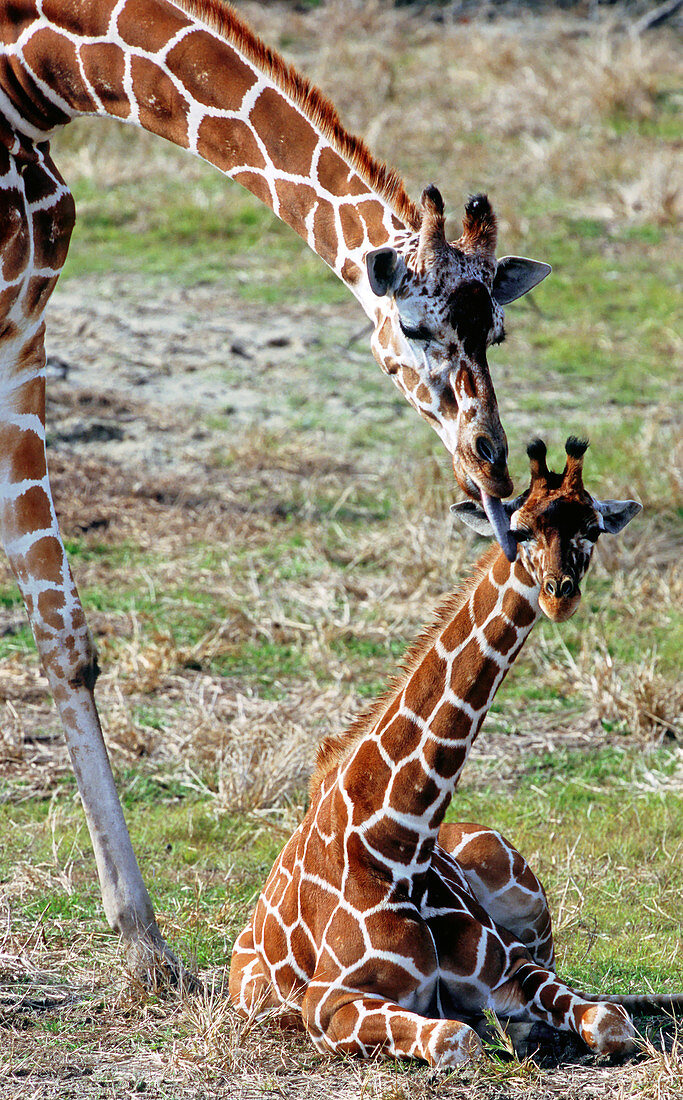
pixel 258 524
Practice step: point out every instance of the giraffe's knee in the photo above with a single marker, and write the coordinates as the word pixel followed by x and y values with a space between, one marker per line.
pixel 70 661
pixel 86 674
pixel 81 653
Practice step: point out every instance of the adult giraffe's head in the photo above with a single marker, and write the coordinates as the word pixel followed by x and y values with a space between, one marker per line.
pixel 438 308
pixel 556 524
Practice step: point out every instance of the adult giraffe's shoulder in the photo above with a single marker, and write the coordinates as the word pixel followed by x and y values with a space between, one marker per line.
pixel 380 927
pixel 193 73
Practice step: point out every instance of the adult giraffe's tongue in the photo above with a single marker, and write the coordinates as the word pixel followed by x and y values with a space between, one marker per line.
pixel 500 521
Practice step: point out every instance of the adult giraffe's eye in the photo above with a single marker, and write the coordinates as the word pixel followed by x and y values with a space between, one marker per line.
pixel 522 535
pixel 593 533
pixel 419 333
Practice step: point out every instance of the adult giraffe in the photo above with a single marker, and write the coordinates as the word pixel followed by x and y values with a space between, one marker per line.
pixel 193 73
pixel 379 927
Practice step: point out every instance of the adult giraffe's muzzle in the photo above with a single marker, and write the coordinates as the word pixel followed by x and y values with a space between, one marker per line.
pixel 480 458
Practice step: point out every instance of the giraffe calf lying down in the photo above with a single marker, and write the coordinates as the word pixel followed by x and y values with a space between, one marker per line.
pixel 379 926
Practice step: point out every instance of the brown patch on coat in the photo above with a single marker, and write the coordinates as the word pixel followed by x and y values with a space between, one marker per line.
pixel 9 330
pixel 450 722
pixel 449 406
pixel 256 184
pixel 427 683
pixel 105 66
pixel 52 232
pixel 465 382
pixel 42 560
pixel 37 293
pixel 474 675
pixel 15 237
pixel 147 26
pixel 384 333
pixel 352 226
pixel 501 568
pixel 350 272
pixel 53 60
pixel 411 785
pixel 344 936
pixel 227 142
pixel 220 78
pixel 483 601
pixel 500 635
pixel 390 842
pixel 485 855
pixel 325 231
pixel 162 108
pixel 518 609
pixel 289 138
pixel 28 453
pixel 38 185
pixel 448 761
pixel 296 202
pixel 410 377
pixel 494 959
pixel 50 609
pixel 367 777
pixel 30 512
pixel 372 214
pixel 334 174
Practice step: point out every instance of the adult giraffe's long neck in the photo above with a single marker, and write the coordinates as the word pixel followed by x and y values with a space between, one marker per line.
pixel 196 75
pixel 401 775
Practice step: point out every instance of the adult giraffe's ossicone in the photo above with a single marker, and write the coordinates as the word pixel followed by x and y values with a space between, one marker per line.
pixel 193 73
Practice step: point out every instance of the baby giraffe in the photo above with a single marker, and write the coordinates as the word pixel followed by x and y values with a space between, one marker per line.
pixel 379 926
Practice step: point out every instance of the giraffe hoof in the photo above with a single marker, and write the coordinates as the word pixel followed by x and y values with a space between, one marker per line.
pixel 455 1045
pixel 154 967
pixel 607 1029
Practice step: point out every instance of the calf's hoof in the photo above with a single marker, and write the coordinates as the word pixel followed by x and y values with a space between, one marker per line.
pixel 453 1044
pixel 607 1029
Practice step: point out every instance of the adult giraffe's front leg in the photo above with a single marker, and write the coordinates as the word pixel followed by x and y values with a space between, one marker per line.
pixel 37 215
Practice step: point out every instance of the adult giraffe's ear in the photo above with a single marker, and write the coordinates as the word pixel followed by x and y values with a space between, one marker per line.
pixel 515 276
pixel 384 270
pixel 617 513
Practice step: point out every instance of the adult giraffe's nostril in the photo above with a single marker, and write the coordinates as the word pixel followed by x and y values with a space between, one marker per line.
pixel 550 587
pixel 483 448
pixel 567 587
pixel 495 455
pixel 488 452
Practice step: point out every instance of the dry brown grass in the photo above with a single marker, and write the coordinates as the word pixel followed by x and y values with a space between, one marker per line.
pixel 660 1075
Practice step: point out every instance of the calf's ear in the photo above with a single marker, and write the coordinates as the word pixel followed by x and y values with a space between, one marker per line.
pixel 617 513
